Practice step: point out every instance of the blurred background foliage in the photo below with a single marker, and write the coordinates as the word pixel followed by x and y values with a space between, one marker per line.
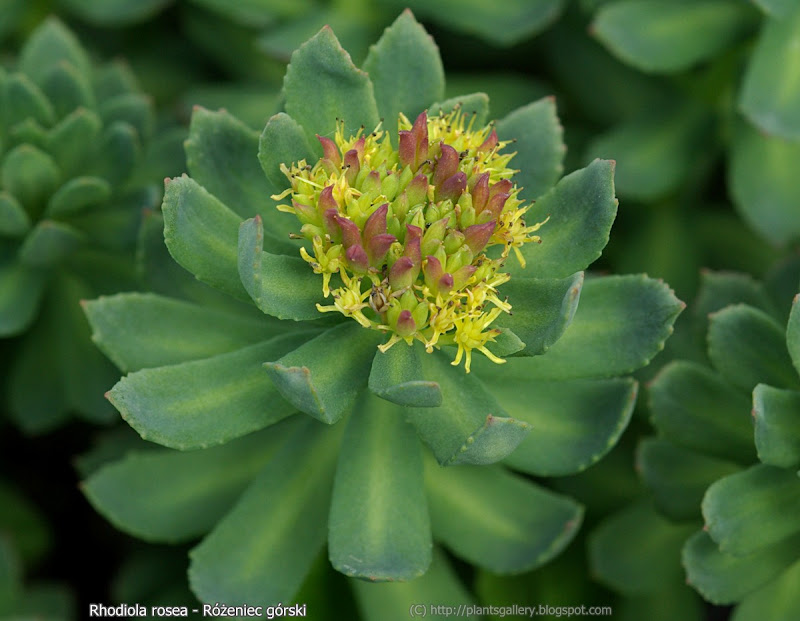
pixel 696 100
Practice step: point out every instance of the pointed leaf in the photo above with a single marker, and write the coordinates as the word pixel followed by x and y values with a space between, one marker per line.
pixel 30 175
pixel 753 509
pixel 14 220
pixel 50 44
pixel 283 141
pixel 664 37
pixel 261 551
pixel 636 551
pixel 748 347
pixel 777 425
pixel 202 235
pixel 678 477
pixel 280 285
pixel 724 578
pixel 573 423
pixel 134 109
pixel 324 376
pixel 793 333
pixel 721 289
pixel 469 427
pixel 539 144
pixel 581 209
pixel 496 520
pixel 769 95
pixel 24 100
pixel 778 600
pixel 379 527
pixel 476 104
pixel 406 69
pixel 170 496
pixel 776 8
pixel 49 243
pixel 541 310
pixel 76 195
pixel 396 376
pixel 72 140
pixel 141 330
pixel 117 153
pixel 205 402
pixel 694 407
pixel 67 89
pixel 322 84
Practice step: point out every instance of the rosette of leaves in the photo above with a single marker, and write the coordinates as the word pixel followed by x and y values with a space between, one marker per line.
pixel 727 449
pixel 71 192
pixel 297 427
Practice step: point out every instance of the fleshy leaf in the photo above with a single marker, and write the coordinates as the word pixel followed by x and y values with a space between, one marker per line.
pixel 324 376
pixel 280 285
pixel 117 153
pixel 776 8
pixel 678 477
pixel 721 289
pixel 322 84
pixel 283 141
pixel 753 509
pixel 396 377
pixel 406 70
pixel 769 95
pixel 497 520
pixel 473 103
pixel 469 427
pixel 25 100
pixel 539 145
pixel 793 333
pixel 137 493
pixel 778 601
pixel 30 175
pixel 541 310
pixel 663 36
pixel 573 423
pixel 14 220
pixel 49 243
pixel 694 407
pixel 724 578
pixel 202 235
pixel 135 109
pixel 140 330
pixel 116 12
pixel 636 550
pixel 261 551
pixel 620 324
pixel 73 138
pixel 229 397
pixel 20 292
pixel 78 194
pixel 581 208
pixel 50 44
pixel 748 347
pixel 777 425
pixel 391 601
pixel 379 527
pixel 67 89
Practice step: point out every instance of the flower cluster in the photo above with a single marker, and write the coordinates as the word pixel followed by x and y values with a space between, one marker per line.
pixel 412 240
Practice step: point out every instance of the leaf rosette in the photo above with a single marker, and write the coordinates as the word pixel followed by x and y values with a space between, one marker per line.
pixel 353 428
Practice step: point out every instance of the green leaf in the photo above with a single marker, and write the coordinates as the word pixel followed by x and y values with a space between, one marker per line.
pixel 202 235
pixel 379 527
pixel 76 195
pixel 72 140
pixel 753 509
pixel 775 8
pixel 67 89
pixel 24 100
pixel 392 601
pixel 117 153
pixel 769 96
pixel 261 551
pixel 141 330
pixel 283 141
pixel 581 210
pixel 396 376
pixel 724 578
pixel 776 414
pixel 721 289
pixel 469 427
pixel 573 423
pixel 134 109
pixel 542 310
pixel 30 175
pixel 24 524
pixel 116 12
pixel 539 144
pixel 205 402
pixel 678 477
pixel 322 84
pixel 761 181
pixel 637 551
pixel 49 243
pixel 280 285
pixel 324 376
pixel 620 324
pixel 406 70
pixel 660 36
pixel 793 333
pixel 50 44
pixel 778 601
pixel 748 347
pixel 476 104
pixel 14 220
pixel 696 408
pixel 496 520
pixel 171 496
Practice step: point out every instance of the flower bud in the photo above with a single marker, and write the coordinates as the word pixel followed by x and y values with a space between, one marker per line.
pixel 357 259
pixel 495 204
pixel 352 166
pixel 452 188
pixel 413 246
pixel 413 145
pixel 417 190
pixel 351 236
pixel 376 223
pixel 490 142
pixel 462 275
pixel 401 274
pixel 406 326
pixel 480 192
pixel 378 246
pixel 453 241
pixel 390 185
pixel 446 164
pixel 330 151
pixel 433 236
pixel 477 235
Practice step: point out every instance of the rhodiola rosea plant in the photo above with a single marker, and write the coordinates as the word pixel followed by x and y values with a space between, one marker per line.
pixel 420 346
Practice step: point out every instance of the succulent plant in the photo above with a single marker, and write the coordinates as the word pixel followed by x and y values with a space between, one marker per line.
pixel 73 181
pixel 320 404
